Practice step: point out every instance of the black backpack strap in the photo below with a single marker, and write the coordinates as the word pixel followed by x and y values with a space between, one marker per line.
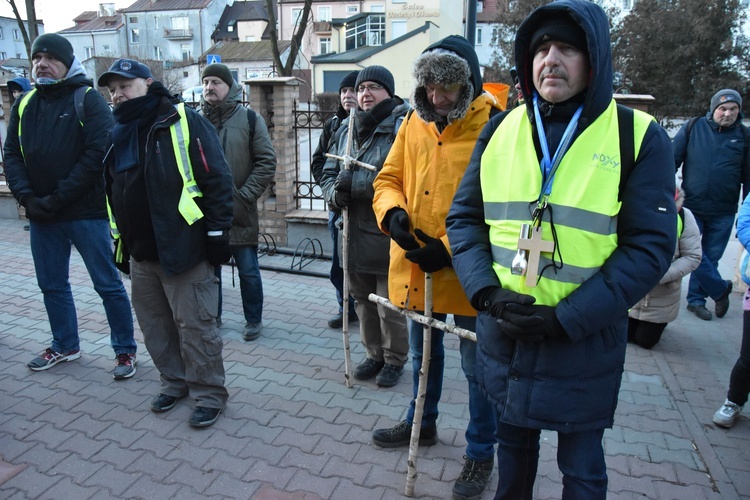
pixel 625 123
pixel 252 116
pixel 79 99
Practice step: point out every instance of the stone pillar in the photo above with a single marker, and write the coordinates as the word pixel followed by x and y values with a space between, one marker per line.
pixel 272 98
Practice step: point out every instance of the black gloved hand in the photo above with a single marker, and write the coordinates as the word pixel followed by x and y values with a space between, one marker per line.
pixel 432 257
pixel 121 257
pixel 530 323
pixel 398 227
pixel 38 208
pixel 218 250
pixel 495 299
pixel 343 188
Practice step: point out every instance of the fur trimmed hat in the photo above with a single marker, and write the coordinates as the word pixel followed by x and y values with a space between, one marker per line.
pixel 54 45
pixel 724 96
pixel 377 74
pixel 220 71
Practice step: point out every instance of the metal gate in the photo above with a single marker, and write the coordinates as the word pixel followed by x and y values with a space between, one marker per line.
pixel 308 125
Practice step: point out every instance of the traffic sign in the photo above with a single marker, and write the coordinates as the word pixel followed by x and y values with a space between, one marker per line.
pixel 213 58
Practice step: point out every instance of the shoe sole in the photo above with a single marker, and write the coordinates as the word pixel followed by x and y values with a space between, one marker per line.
pixel 725 425
pixel 695 313
pixel 162 409
pixel 53 363
pixel 128 375
pixel 205 423
pixel 249 338
pixel 400 444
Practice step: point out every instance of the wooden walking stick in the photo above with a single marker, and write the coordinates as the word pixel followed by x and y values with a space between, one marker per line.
pixel 345 260
pixel 416 426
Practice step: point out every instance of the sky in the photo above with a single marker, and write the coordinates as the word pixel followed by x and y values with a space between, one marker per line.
pixel 58 14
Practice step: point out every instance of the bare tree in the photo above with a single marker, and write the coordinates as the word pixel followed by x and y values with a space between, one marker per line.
pixel 285 68
pixel 28 35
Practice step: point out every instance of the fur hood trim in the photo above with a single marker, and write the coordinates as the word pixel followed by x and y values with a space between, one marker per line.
pixel 446 68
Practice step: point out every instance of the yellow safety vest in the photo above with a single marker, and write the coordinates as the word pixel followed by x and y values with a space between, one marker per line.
pixel 584 200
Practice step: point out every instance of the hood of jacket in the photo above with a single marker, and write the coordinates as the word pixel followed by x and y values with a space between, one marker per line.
pixel 449 61
pixel 594 23
pixel 23 83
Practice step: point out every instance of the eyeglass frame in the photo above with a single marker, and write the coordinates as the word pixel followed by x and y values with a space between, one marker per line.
pixel 372 88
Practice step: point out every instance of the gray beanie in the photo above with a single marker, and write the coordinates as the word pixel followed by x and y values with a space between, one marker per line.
pixel 377 74
pixel 220 71
pixel 724 96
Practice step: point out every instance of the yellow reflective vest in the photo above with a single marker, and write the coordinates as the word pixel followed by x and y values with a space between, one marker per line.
pixel 583 203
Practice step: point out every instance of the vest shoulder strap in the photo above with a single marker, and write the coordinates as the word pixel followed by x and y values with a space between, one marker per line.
pixel 79 98
pixel 625 123
pixel 252 116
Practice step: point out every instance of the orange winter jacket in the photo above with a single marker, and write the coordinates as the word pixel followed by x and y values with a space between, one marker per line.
pixel 421 174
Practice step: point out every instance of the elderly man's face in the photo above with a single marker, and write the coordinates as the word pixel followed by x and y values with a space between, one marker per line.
pixel 44 65
pixel 560 71
pixel 123 89
pixel 726 114
pixel 370 94
pixel 443 98
pixel 215 90
pixel 348 97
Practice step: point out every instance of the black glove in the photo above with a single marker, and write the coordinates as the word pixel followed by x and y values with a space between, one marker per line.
pixel 495 299
pixel 431 257
pixel 343 187
pixel 121 257
pixel 218 250
pixel 38 208
pixel 398 227
pixel 530 323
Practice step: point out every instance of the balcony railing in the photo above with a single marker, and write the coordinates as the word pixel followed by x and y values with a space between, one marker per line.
pixel 172 34
pixel 321 27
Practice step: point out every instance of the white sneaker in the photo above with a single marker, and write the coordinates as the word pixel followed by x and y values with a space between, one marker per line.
pixel 727 414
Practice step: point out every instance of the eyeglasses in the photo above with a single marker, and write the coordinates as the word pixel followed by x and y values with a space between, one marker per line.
pixel 372 88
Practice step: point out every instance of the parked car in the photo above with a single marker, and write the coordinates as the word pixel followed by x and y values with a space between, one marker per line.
pixel 192 94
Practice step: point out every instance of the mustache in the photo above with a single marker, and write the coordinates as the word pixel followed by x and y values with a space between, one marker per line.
pixel 554 71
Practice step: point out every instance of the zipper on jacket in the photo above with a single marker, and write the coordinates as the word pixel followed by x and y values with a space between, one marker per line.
pixel 203 156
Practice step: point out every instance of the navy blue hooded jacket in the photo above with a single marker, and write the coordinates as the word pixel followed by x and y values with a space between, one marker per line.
pixel 562 384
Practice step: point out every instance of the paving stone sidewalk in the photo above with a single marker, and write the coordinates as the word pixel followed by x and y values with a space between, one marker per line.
pixel 292 430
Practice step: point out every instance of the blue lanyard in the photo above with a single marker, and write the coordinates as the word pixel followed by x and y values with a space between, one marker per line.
pixel 547 166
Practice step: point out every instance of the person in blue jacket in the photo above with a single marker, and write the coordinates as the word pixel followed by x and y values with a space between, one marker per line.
pixel 18 86
pixel 552 338
pixel 739 379
pixel 713 153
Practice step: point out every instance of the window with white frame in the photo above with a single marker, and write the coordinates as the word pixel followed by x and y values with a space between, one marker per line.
pixel 158 54
pixel 377 7
pixel 478 40
pixel 352 9
pixel 135 36
pixel 480 6
pixel 185 48
pixel 156 22
pixel 324 13
pixel 296 15
pixel 88 53
pixel 16 35
pixel 398 28
pixel 325 44
pixel 180 23
pixel 3 56
pixel 369 31
pixel 1 32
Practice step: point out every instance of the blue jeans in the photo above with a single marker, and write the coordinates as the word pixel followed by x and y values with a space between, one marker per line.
pixel 706 281
pixel 50 246
pixel 481 429
pixel 337 274
pixel 251 285
pixel 580 457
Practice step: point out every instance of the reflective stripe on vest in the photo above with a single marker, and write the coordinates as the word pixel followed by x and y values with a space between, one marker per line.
pixel 583 204
pixel 180 133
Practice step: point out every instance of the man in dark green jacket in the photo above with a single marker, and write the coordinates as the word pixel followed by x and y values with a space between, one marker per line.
pixel 252 160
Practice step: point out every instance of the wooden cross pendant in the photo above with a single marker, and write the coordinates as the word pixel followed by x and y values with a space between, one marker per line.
pixel 535 246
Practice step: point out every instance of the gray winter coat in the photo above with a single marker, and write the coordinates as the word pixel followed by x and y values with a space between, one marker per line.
pixel 252 165
pixel 368 245
pixel 662 304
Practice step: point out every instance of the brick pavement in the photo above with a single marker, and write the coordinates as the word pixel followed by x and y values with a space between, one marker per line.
pixel 292 430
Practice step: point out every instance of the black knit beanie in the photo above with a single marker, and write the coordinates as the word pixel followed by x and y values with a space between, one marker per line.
pixel 219 71
pixel 349 80
pixel 560 28
pixel 56 46
pixel 377 74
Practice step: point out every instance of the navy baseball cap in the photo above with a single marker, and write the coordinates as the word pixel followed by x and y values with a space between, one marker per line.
pixel 126 68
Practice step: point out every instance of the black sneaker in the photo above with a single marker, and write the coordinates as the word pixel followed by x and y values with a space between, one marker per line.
pixel 163 402
pixel 389 375
pixel 204 417
pixel 701 312
pixel 368 369
pixel 338 320
pixel 722 303
pixel 400 435
pixel 473 479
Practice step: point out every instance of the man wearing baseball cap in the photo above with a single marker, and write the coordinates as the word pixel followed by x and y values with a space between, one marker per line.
pixel 55 172
pixel 170 191
pixel 713 153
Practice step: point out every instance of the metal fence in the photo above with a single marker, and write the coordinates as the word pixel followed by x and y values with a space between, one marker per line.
pixel 308 125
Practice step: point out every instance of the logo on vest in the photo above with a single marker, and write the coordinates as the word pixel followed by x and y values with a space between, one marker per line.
pixel 609 164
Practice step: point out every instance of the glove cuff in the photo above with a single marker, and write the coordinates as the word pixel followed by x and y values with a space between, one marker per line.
pixel 480 300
